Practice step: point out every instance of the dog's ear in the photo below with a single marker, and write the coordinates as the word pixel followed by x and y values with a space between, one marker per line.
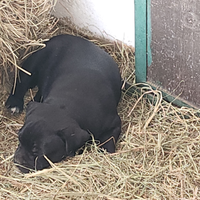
pixel 74 138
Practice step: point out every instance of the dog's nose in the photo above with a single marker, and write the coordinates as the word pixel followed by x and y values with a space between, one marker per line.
pixel 21 160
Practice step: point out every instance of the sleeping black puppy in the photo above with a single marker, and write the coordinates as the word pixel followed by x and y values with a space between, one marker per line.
pixel 79 87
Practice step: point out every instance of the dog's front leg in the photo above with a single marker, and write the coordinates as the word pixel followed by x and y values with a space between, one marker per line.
pixel 15 101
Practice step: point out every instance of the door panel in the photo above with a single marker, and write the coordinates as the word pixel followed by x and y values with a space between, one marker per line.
pixel 175 47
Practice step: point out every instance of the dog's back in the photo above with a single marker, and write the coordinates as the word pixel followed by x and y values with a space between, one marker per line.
pixel 76 63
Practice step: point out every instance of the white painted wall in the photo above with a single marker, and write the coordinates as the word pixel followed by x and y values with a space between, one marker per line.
pixel 108 18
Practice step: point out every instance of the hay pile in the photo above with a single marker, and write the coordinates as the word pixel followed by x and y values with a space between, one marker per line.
pixel 23 24
pixel 157 157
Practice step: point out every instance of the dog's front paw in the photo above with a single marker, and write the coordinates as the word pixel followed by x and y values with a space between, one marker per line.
pixel 14 104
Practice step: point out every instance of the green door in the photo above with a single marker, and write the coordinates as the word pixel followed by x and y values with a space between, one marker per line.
pixel 167 56
pixel 143 39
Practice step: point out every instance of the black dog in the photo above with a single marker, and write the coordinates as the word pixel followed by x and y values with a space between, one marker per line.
pixel 79 87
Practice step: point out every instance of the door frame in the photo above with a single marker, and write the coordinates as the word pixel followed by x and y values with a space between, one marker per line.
pixel 143 57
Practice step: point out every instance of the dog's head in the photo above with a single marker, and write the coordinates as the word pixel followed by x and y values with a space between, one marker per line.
pixel 41 135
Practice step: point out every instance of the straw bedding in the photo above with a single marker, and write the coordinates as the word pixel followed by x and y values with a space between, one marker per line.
pixel 157 157
pixel 24 25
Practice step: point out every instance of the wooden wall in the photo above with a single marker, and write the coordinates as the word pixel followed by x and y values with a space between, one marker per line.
pixel 175 48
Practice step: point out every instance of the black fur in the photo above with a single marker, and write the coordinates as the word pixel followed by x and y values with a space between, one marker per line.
pixel 79 87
